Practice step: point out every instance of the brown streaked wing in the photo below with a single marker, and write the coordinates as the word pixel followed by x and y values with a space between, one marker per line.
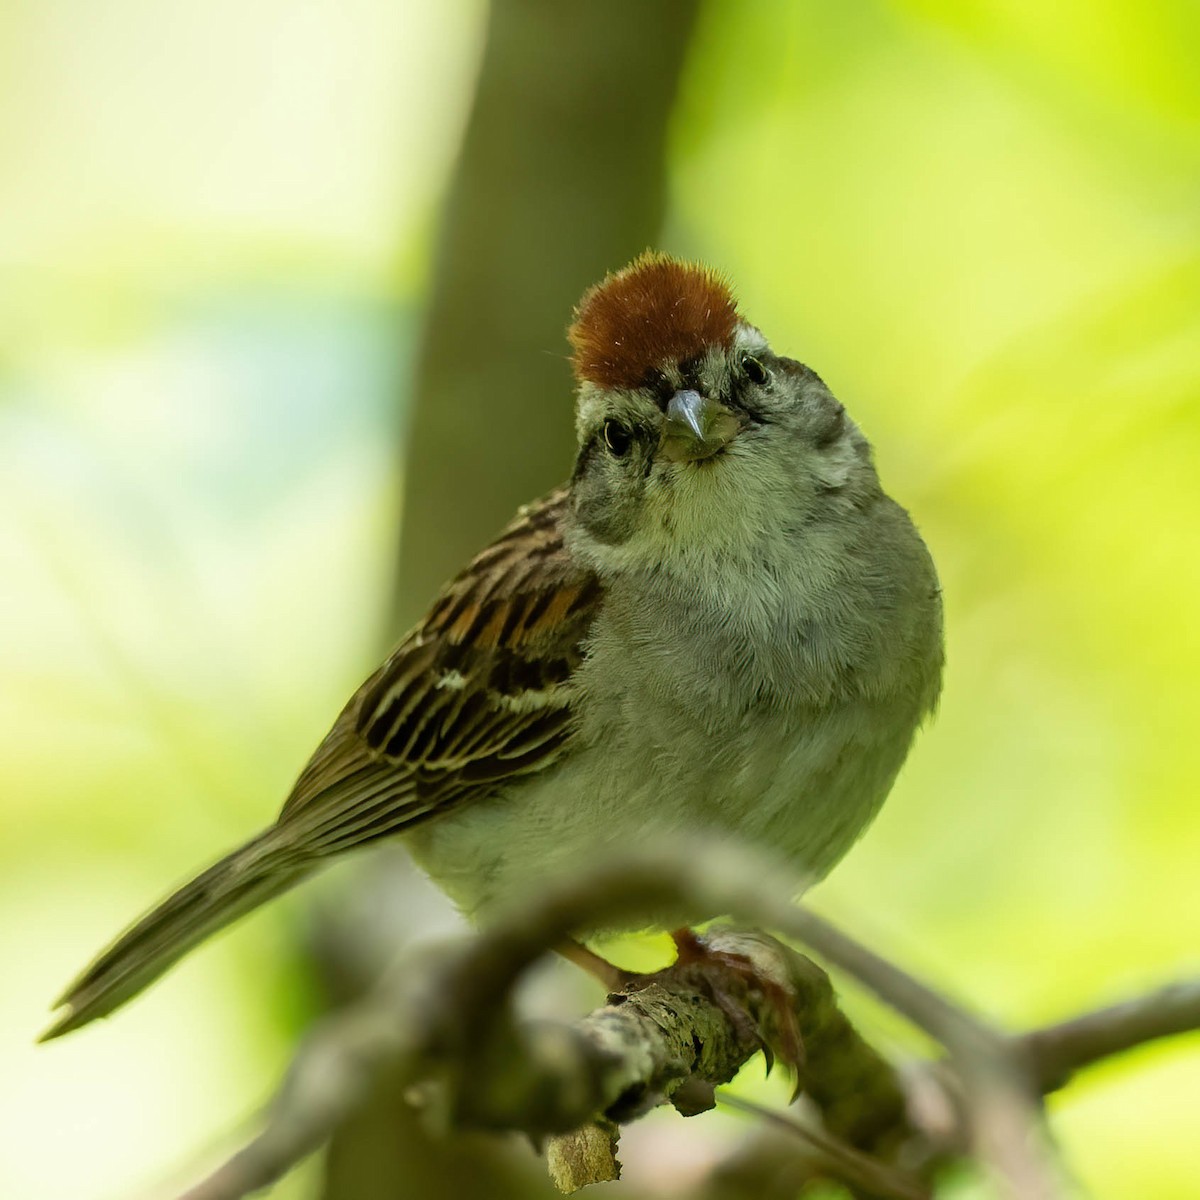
pixel 478 693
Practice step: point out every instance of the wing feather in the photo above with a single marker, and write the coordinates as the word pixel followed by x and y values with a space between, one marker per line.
pixel 478 693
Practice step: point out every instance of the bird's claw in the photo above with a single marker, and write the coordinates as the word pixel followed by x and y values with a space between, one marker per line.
pixel 777 1030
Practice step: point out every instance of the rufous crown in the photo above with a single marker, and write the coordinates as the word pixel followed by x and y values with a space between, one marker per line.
pixel 657 310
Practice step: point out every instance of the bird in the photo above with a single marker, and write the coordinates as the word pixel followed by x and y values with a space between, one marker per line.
pixel 721 623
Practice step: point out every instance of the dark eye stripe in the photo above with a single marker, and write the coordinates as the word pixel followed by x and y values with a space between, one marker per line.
pixel 588 451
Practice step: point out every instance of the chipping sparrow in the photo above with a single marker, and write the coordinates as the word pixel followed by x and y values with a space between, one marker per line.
pixel 720 623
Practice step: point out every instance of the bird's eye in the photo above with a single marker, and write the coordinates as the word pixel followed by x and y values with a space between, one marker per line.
pixel 754 370
pixel 617 438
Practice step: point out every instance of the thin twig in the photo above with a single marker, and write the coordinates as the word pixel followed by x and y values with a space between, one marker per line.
pixel 1003 1106
pixel 1058 1051
pixel 843 1161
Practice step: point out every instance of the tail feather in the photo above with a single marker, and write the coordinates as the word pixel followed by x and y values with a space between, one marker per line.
pixel 251 875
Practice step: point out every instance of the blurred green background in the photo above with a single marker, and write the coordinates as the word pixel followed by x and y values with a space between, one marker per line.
pixel 218 228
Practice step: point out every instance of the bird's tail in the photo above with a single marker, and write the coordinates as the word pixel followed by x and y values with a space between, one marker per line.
pixel 241 881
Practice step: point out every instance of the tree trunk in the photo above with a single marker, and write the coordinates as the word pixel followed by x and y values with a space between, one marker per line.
pixel 561 177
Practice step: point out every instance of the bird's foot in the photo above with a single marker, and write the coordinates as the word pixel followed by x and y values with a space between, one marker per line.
pixel 777 1030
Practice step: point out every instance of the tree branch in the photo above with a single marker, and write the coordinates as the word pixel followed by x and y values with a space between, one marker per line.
pixel 1058 1051
pixel 443 1018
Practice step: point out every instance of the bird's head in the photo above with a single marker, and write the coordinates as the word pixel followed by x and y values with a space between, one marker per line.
pixel 694 436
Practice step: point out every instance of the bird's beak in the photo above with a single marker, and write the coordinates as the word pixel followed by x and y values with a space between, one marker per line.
pixel 696 427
